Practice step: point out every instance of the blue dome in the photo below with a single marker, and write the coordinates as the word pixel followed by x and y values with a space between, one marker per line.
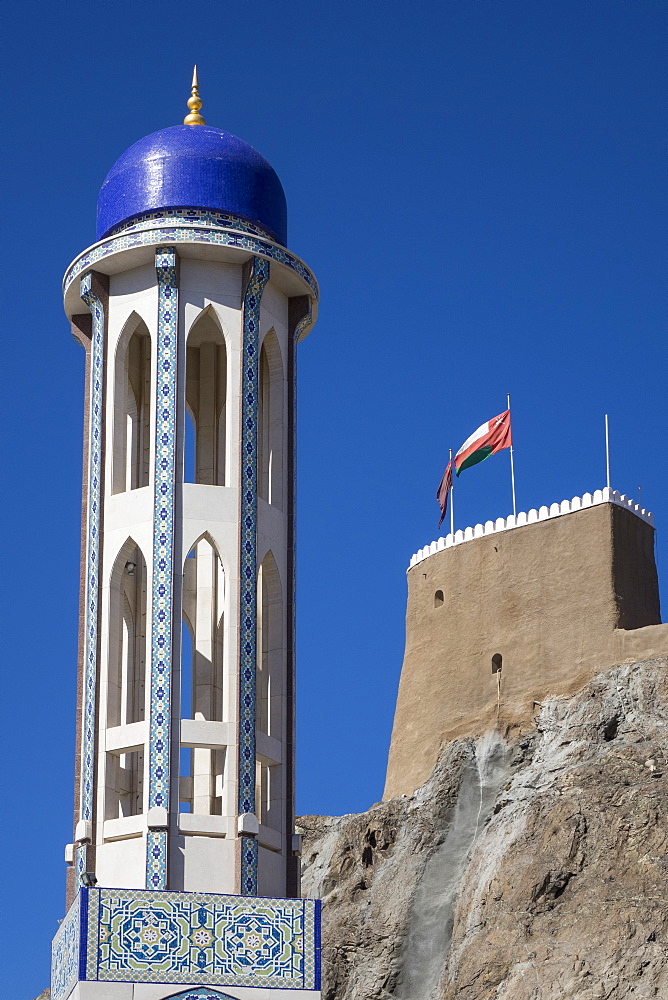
pixel 192 166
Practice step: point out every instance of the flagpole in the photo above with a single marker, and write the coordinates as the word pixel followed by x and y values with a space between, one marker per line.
pixel 452 499
pixel 512 463
pixel 607 450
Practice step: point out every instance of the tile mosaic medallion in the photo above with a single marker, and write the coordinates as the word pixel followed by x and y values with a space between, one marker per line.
pixel 93 519
pixel 188 939
pixel 163 560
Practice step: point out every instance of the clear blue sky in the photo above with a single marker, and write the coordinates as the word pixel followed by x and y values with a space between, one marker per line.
pixel 478 185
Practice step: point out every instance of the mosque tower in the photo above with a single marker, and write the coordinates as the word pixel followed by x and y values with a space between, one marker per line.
pixel 184 871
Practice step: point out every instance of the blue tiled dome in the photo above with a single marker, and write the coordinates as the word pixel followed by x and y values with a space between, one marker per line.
pixel 192 166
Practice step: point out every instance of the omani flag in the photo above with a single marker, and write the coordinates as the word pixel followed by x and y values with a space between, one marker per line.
pixel 492 436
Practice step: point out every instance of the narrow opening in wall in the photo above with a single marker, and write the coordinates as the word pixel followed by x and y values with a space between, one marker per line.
pixel 189 450
pixel 438 599
pixel 202 676
pixel 132 408
pixel 206 399
pixel 271 422
pixel 185 753
pixel 268 793
pixel 186 671
pixel 270 650
pixel 124 784
pixel 126 665
pixel 497 663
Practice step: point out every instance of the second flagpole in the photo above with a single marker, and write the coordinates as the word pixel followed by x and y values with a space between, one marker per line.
pixel 512 461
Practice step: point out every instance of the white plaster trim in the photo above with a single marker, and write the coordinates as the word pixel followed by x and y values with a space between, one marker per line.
pixel 605 495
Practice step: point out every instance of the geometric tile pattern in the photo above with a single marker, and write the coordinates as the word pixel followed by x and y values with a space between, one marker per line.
pixel 144 936
pixel 190 233
pixel 92 560
pixel 258 277
pixel 65 953
pixel 184 216
pixel 163 560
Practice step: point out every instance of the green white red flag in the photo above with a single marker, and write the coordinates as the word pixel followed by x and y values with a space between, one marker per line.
pixel 492 436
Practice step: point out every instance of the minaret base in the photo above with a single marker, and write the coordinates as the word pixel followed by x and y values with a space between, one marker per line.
pixel 133 944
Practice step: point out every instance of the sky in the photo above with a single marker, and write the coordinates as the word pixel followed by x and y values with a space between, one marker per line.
pixel 479 186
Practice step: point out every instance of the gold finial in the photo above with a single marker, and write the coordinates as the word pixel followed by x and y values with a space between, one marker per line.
pixel 194 103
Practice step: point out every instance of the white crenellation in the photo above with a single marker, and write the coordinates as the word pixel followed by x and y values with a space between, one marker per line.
pixel 605 495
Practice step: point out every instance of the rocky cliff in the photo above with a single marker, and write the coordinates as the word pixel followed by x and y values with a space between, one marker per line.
pixel 528 870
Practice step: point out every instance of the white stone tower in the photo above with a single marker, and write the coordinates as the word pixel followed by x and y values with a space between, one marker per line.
pixel 190 308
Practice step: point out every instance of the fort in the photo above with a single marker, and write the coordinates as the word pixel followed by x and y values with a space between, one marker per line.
pixel 504 614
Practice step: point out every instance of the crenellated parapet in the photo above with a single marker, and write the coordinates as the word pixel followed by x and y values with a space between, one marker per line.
pixel 606 495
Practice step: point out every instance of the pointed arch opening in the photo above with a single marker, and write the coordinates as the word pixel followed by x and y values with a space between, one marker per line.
pixel 202 675
pixel 206 399
pixel 126 678
pixel 132 408
pixel 271 422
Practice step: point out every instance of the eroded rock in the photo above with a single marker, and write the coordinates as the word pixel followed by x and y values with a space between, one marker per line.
pixel 531 871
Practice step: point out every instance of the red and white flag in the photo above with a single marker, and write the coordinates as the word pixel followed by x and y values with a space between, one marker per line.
pixel 492 436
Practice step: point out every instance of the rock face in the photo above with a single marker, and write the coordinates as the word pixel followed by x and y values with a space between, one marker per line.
pixel 533 871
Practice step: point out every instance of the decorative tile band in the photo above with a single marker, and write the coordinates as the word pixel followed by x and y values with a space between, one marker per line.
pixel 605 495
pixel 163 560
pixel 65 953
pixel 190 234
pixel 93 517
pixel 258 277
pixel 183 938
pixel 179 937
pixel 187 216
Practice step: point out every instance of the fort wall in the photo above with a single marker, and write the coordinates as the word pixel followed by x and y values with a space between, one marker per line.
pixel 498 619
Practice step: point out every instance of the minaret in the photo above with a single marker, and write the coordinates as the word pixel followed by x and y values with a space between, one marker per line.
pixel 189 308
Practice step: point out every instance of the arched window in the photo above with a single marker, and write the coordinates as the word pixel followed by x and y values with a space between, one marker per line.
pixel 438 599
pixel 206 394
pixel 132 408
pixel 271 422
pixel 201 773
pixel 127 637
pixel 126 678
pixel 497 663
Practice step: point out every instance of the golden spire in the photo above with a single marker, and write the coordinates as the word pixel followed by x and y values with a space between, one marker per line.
pixel 194 103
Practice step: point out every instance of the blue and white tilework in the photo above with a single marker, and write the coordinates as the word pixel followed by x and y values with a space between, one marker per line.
pixel 259 275
pixel 209 940
pixel 65 953
pixel 185 216
pixel 163 560
pixel 93 524
pixel 187 938
pixel 190 233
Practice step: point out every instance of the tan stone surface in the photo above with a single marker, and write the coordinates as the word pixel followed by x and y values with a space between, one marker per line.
pixel 531 871
pixel 553 598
